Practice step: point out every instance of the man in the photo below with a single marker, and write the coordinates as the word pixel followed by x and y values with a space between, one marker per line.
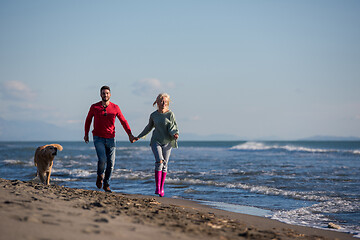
pixel 104 114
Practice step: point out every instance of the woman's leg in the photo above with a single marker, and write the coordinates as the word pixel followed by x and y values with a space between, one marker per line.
pixel 166 150
pixel 158 154
pixel 157 151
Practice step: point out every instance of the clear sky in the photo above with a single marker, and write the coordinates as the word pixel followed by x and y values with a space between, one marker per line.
pixel 254 69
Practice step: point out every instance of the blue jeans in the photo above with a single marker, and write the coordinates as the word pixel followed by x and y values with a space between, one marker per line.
pixel 162 155
pixel 105 150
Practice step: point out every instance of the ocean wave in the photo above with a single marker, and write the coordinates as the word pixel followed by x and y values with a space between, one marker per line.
pixel 192 181
pixel 134 148
pixel 63 179
pixel 265 190
pixel 131 175
pixel 259 146
pixel 65 163
pixel 13 162
pixel 251 146
pixel 80 156
pixel 75 173
pixel 307 196
pixel 316 215
pixel 19 162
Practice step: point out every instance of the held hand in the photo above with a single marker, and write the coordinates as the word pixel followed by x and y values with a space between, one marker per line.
pixel 176 136
pixel 132 139
pixel 86 139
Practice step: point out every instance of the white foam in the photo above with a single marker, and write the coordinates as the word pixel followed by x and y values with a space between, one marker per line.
pixel 191 181
pixel 311 216
pixel 63 179
pixel 258 146
pixel 77 173
pixel 82 156
pixel 251 146
pixel 13 162
pixel 307 196
pixel 19 162
pixel 131 175
pixel 136 149
pixel 80 173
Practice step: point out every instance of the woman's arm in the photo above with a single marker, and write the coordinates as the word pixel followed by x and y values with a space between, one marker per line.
pixel 147 129
pixel 173 128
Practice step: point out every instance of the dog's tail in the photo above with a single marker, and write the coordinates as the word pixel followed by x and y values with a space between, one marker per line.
pixel 35 156
pixel 58 146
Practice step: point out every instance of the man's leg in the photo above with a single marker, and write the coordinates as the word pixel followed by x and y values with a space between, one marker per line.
pixel 99 144
pixel 110 155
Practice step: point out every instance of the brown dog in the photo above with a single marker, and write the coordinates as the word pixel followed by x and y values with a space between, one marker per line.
pixel 43 160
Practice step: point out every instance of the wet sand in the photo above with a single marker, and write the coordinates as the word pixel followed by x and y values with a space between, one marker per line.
pixel 30 210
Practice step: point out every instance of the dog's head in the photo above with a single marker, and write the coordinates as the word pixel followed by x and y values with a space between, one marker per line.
pixel 50 150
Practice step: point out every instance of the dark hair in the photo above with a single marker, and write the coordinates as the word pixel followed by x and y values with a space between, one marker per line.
pixel 104 88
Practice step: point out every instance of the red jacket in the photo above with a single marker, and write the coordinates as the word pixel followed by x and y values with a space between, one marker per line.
pixel 104 126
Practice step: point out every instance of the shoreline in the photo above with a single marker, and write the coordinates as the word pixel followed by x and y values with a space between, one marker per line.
pixel 254 211
pixel 33 211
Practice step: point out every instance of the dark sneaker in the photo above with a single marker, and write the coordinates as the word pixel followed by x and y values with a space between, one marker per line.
pixel 99 181
pixel 107 188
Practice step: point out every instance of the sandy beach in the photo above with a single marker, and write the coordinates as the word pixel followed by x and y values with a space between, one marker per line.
pixel 33 211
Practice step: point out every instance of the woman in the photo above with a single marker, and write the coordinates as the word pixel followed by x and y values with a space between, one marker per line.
pixel 163 139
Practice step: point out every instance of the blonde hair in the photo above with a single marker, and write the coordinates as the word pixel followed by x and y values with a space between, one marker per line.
pixel 160 96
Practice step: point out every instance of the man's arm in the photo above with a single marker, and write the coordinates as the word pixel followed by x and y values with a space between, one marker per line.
pixel 88 124
pixel 125 125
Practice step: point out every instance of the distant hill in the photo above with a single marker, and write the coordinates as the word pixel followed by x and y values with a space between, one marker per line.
pixel 330 138
pixel 35 131
pixel 41 131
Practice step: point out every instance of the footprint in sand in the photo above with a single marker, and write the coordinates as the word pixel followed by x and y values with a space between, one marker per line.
pixel 101 220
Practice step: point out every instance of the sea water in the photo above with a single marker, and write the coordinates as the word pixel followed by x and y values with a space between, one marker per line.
pixel 299 182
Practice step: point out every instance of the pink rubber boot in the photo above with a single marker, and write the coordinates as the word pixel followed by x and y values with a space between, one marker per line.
pixel 157 181
pixel 161 193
